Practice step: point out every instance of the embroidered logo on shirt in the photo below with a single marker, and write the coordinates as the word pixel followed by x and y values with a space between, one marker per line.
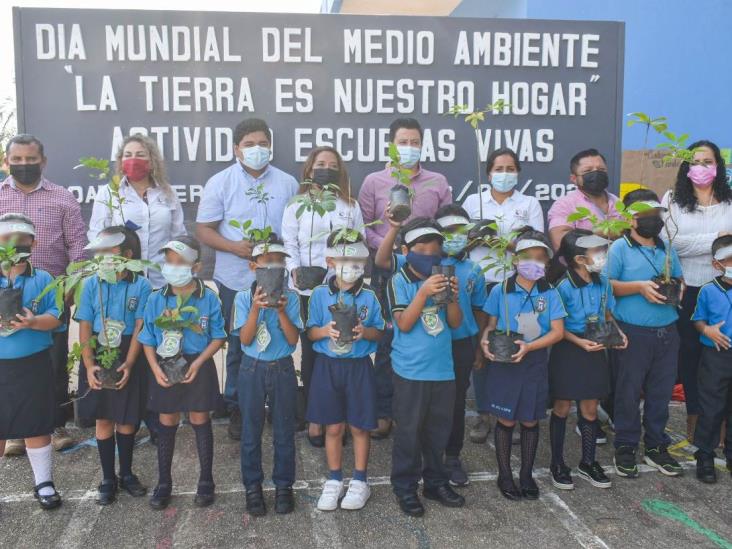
pixel 132 304
pixel 470 285
pixel 523 215
pixel 541 304
pixel 363 312
pixel 34 307
pixel 203 322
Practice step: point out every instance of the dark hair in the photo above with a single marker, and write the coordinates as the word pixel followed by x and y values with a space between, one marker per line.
pixel 251 125
pixel 574 162
pixel 568 248
pixel 131 241
pixel 501 152
pixel 344 182
pixel 406 123
pixel 191 243
pixel 330 241
pixel 420 223
pixel 684 189
pixel 24 139
pixel 639 195
pixel 451 209
pixel 721 242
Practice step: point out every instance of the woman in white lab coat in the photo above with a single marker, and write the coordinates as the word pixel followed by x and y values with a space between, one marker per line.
pixel 148 203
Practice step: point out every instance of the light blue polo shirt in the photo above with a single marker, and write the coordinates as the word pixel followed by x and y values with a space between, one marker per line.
pixel 124 301
pixel 224 198
pixel 714 305
pixel 628 261
pixel 543 300
pixel 367 308
pixel 210 319
pixel 278 347
pixel 584 299
pixel 471 294
pixel 417 355
pixel 28 342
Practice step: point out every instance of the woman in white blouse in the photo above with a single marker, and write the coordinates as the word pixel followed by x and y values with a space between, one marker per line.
pixel 699 210
pixel 149 204
pixel 323 165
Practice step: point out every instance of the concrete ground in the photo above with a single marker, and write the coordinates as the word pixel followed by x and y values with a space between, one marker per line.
pixel 651 511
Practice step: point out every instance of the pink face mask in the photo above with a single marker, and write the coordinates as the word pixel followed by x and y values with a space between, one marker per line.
pixel 703 176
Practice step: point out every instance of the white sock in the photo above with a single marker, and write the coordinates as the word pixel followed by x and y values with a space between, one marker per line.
pixel 41 460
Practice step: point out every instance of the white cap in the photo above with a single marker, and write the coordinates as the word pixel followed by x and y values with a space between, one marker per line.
pixel 450 220
pixel 526 243
pixel 723 253
pixel 266 248
pixel 355 250
pixel 105 241
pixel 414 234
pixel 591 241
pixel 651 204
pixel 182 249
pixel 10 227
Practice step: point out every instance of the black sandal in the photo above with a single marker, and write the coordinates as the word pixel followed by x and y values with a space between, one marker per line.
pixel 47 502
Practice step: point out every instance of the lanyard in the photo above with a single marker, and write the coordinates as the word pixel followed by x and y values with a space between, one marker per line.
pixel 124 303
pixel 527 298
pixel 640 250
pixel 582 298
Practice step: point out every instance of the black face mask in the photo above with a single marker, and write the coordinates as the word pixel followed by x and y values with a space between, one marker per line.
pixel 26 174
pixel 649 227
pixel 22 249
pixel 324 176
pixel 595 183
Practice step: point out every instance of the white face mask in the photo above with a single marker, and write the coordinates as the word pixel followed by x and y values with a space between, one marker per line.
pixel 728 272
pixel 176 275
pixel 598 262
pixel 350 272
pixel 255 157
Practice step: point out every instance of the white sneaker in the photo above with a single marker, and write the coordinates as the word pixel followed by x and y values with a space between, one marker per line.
pixel 332 492
pixel 357 496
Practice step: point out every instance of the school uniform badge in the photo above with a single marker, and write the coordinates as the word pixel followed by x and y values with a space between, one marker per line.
pixel 470 285
pixel 363 312
pixel 34 306
pixel 541 304
pixel 203 322
pixel 431 321
pixel 132 304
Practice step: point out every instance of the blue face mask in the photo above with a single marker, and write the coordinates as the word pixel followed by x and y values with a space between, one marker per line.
pixel 408 155
pixel 255 157
pixel 504 182
pixel 423 263
pixel 455 244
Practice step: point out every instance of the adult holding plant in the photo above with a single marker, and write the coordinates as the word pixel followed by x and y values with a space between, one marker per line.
pixel 429 192
pixel 323 204
pixel 228 196
pixel 61 237
pixel 588 171
pixel 142 200
pixel 699 210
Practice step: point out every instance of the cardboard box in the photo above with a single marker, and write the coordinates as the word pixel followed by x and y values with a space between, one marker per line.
pixel 648 169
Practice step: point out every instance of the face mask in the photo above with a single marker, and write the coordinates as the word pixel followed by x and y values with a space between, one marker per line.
pixel 649 227
pixel 22 249
pixel 25 174
pixel 530 269
pixel 455 244
pixel 409 156
pixel 423 263
pixel 504 181
pixel 703 176
pixel 728 272
pixel 323 176
pixel 255 157
pixel 176 275
pixel 136 169
pixel 350 272
pixel 598 262
pixel 595 183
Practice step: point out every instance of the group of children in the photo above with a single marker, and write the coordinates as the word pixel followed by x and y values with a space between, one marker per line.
pixel 444 327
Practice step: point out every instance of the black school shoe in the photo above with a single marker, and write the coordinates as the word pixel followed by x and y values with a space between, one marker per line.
pixel 255 501
pixel 594 474
pixel 508 489
pixel 625 464
pixel 444 495
pixel 705 471
pixel 205 494
pixel 729 465
pixel 410 505
pixel 284 501
pixel 131 484
pixel 561 477
pixel 161 497
pixel 106 492
pixel 47 502
pixel 660 459
pixel 529 489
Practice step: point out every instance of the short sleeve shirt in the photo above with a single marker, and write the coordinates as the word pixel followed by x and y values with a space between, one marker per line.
pixel 124 301
pixel 583 300
pixel 714 305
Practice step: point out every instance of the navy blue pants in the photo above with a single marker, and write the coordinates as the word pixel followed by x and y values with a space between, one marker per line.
pixel 275 381
pixel 383 375
pixel 463 356
pixel 715 399
pixel 234 353
pixel 649 366
pixel 690 350
pixel 423 414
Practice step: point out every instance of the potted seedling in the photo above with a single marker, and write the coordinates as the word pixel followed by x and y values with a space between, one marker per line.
pixel 172 322
pixel 402 193
pixel 446 296
pixel 318 200
pixel 345 316
pixel 101 171
pixel 11 299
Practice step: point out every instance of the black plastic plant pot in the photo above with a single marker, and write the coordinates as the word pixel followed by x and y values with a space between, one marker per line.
pixel 670 289
pixel 175 368
pixel 346 320
pixel 109 377
pixel 503 346
pixel 272 282
pixel 401 206
pixel 445 296
pixel 309 277
pixel 11 304
pixel 605 333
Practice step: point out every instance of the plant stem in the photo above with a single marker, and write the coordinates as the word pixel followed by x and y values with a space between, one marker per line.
pixel 310 245
pixel 101 310
pixel 480 187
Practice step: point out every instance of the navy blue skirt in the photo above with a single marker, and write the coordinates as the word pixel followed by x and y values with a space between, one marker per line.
pixel 201 395
pixel 27 403
pixel 519 392
pixel 575 374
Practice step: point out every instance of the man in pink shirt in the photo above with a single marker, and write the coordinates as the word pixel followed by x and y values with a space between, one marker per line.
pixel 588 171
pixel 431 192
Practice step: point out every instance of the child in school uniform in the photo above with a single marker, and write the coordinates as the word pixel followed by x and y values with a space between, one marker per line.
pixel 455 224
pixel 648 365
pixel 117 412
pixel 713 318
pixel 578 367
pixel 517 391
pixel 268 337
pixel 26 376
pixel 342 388
pixel 424 376
pixel 198 393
